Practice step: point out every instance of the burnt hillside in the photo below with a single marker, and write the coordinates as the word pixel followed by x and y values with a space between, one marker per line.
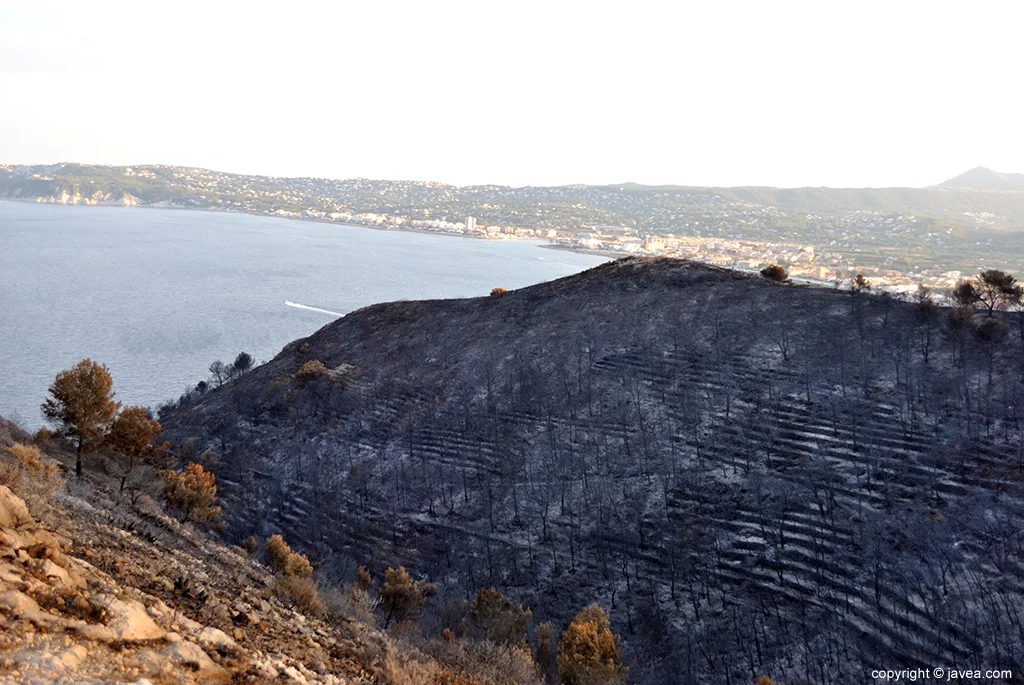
pixel 754 478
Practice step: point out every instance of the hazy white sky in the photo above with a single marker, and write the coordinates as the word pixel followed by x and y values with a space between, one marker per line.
pixel 524 93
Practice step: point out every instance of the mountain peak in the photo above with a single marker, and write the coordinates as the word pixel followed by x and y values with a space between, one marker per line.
pixel 983 178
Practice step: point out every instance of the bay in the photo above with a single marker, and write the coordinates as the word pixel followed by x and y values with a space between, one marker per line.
pixel 158 294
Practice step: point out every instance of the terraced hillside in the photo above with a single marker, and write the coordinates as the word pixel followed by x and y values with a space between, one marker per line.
pixel 753 477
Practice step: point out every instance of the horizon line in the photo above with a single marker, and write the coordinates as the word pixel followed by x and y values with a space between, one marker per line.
pixel 936 186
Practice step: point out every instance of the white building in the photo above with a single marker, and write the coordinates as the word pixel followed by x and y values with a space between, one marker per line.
pixel 470 224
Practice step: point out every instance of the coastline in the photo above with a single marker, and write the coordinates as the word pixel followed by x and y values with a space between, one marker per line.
pixel 608 254
pixel 215 210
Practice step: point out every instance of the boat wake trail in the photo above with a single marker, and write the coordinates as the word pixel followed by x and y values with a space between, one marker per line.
pixel 312 309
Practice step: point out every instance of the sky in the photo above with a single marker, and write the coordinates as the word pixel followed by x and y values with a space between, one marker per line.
pixel 840 94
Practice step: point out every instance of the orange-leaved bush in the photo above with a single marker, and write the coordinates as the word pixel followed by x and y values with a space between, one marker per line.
pixel 132 437
pixel 589 651
pixel 285 561
pixel 194 492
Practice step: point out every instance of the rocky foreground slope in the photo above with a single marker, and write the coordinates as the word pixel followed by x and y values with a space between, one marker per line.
pixel 753 477
pixel 96 588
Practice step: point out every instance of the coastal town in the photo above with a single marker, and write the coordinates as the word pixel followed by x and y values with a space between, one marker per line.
pixel 802 262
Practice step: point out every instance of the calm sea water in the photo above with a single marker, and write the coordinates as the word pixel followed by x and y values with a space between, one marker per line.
pixel 159 294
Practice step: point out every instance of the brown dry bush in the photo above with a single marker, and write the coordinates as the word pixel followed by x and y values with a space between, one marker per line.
pixel 356 602
pixel 485 661
pixel 285 561
pixel 251 544
pixel 194 493
pixel 403 597
pixel 775 273
pixel 446 677
pixel 25 471
pixel 311 370
pixel 402 670
pixel 303 593
pixel 498 619
pixel 589 651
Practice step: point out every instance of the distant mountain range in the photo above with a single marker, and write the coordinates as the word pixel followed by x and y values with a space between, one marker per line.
pixel 981 178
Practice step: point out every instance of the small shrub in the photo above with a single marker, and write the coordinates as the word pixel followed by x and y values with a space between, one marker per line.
pixel 498 618
pixel 285 561
pixel 960 317
pixel 446 677
pixel 775 273
pixel 495 292
pixel 304 593
pixel 589 651
pixel 194 492
pixel 859 284
pixel 44 436
pixel 312 370
pixel 30 460
pixel 364 581
pixel 350 604
pixel 992 330
pixel 405 671
pixel 403 597
pixel 25 472
pixel 483 661
pixel 251 544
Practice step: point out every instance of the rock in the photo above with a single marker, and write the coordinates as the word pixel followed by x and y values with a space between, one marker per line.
pixel 129 622
pixel 52 570
pixel 212 638
pixel 66 660
pixel 31 543
pixel 18 602
pixel 294 674
pixel 13 512
pixel 188 626
pixel 190 655
pixel 159 610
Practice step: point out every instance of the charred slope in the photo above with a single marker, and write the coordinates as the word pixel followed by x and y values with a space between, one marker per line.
pixel 753 477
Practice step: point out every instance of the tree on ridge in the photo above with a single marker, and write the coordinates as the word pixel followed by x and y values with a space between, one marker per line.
pixel 82 404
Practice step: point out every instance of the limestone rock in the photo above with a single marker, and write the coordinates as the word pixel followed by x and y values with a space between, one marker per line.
pixel 63 661
pixel 217 640
pixel 13 512
pixel 192 656
pixel 129 622
pixel 52 571
pixel 22 606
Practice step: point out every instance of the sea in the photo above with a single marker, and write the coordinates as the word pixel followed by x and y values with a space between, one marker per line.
pixel 159 294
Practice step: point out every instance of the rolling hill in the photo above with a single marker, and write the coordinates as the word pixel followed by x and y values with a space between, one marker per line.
pixel 752 477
